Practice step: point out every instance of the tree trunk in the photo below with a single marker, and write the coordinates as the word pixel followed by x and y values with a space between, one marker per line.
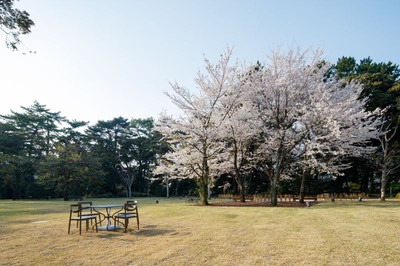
pixel 303 185
pixel 275 178
pixel 17 186
pixel 274 190
pixel 203 186
pixel 383 184
pixel 239 180
pixel 385 140
pixel 242 193
pixel 129 191
pixel 203 193
pixel 177 188
pixel 274 186
pixel 167 187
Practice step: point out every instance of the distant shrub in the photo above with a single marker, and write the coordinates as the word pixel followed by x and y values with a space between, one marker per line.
pixel 354 187
pixel 398 196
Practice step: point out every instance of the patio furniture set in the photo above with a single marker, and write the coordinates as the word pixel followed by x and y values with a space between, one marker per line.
pixel 114 215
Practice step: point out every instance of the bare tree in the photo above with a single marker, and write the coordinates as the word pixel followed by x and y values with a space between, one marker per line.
pixel 128 177
pixel 389 158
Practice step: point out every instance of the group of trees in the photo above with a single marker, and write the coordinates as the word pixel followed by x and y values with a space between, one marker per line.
pixel 43 154
pixel 297 125
pixel 381 89
pixel 297 116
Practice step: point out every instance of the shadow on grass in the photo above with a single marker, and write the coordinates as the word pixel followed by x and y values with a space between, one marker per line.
pixel 152 230
pixel 363 204
pixel 108 235
pixel 382 204
pixel 146 231
pixel 155 232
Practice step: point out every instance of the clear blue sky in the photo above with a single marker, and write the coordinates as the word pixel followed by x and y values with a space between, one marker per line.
pixel 99 59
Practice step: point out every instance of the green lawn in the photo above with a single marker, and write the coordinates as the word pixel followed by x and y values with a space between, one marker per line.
pixel 175 233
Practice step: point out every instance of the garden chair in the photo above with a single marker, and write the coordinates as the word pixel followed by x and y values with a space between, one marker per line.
pixel 88 211
pixel 75 214
pixel 130 211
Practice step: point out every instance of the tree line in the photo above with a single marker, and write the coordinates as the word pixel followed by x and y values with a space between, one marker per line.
pixel 297 125
pixel 43 154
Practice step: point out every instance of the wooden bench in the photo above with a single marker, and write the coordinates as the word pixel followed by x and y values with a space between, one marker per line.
pixel 306 198
pixel 246 198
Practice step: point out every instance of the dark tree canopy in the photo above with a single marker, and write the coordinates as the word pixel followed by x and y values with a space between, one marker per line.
pixel 380 80
pixel 39 126
pixel 382 90
pixel 14 22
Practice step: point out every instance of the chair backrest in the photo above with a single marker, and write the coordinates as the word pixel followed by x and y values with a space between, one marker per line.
pixel 75 208
pixel 130 206
pixel 85 206
pixel 85 203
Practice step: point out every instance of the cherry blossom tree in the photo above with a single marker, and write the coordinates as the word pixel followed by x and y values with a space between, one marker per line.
pixel 296 102
pixel 288 110
pixel 238 138
pixel 194 134
pixel 167 170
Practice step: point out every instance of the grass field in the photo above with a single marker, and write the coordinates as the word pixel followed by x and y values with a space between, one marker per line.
pixel 175 233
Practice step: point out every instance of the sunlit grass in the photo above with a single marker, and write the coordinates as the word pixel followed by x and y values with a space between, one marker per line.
pixel 175 233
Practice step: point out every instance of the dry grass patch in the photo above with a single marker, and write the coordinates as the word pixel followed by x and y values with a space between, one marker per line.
pixel 174 233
